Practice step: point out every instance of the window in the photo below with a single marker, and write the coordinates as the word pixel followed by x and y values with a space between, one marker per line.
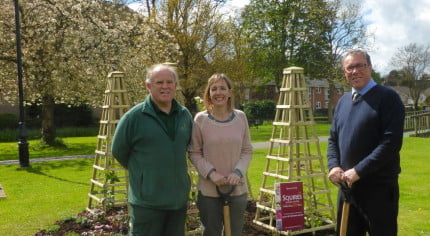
pixel 318 105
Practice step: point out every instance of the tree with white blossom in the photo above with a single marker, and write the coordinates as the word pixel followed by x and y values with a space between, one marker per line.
pixel 70 46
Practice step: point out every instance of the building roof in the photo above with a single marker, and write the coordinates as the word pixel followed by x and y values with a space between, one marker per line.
pixel 321 83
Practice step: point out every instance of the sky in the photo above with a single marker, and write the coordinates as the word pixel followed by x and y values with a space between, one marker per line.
pixel 394 24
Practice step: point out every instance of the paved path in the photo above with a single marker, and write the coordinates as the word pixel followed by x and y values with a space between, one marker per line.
pixel 262 145
pixel 45 159
pixel 259 145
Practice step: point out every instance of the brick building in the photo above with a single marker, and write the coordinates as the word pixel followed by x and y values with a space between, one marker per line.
pixel 318 91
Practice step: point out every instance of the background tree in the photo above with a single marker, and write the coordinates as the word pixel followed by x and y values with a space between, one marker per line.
pixel 232 58
pixel 393 78
pixel 376 76
pixel 199 30
pixel 310 34
pixel 346 30
pixel 414 61
pixel 285 33
pixel 69 47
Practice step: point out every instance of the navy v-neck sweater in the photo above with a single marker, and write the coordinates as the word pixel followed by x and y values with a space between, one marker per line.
pixel 367 135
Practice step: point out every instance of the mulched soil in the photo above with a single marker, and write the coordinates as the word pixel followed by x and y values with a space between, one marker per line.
pixel 115 222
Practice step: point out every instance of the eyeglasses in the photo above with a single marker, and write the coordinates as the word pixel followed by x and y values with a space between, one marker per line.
pixel 358 67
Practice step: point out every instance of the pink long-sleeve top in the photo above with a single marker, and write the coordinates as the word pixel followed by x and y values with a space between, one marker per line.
pixel 225 146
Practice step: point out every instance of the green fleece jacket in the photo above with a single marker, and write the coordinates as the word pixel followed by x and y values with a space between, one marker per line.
pixel 157 164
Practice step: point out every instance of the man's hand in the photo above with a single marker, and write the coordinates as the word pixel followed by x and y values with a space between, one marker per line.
pixel 336 175
pixel 350 176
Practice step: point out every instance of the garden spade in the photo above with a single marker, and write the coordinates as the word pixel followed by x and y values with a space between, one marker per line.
pixel 225 193
pixel 346 191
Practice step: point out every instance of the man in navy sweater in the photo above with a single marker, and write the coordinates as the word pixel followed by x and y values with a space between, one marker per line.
pixel 363 149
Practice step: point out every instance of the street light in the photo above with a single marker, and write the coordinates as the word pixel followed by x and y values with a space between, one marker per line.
pixel 22 139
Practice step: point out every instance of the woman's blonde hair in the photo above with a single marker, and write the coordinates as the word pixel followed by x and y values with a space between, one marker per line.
pixel 213 79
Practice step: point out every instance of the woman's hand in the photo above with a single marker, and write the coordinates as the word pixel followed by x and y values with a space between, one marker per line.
pixel 233 179
pixel 217 178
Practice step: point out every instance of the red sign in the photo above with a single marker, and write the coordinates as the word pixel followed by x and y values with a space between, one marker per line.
pixel 289 206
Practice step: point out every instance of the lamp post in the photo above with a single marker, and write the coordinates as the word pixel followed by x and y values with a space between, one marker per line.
pixel 22 139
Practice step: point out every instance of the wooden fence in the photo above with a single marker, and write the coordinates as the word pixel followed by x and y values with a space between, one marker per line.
pixel 418 122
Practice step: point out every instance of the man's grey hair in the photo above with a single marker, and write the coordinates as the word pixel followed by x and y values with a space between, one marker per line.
pixel 358 51
pixel 158 67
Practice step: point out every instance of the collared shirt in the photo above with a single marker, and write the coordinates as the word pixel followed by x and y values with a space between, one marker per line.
pixel 168 119
pixel 366 88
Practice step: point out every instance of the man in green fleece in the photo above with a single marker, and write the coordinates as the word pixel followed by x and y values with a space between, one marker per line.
pixel 151 142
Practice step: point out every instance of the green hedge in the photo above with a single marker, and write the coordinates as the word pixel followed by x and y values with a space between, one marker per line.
pixel 8 121
pixel 259 111
pixel 11 135
pixel 64 116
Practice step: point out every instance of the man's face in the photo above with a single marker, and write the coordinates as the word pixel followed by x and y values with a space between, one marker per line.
pixel 162 87
pixel 357 70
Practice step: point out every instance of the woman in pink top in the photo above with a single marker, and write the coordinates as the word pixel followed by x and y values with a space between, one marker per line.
pixel 221 151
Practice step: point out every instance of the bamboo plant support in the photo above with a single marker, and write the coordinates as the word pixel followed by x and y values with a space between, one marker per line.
pixel 294 155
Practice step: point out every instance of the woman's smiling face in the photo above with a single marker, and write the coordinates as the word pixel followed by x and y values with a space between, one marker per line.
pixel 219 93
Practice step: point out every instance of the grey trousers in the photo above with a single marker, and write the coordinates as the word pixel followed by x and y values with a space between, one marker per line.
pixel 211 214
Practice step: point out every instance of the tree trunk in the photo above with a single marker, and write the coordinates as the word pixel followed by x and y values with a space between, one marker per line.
pixel 331 103
pixel 190 103
pixel 48 124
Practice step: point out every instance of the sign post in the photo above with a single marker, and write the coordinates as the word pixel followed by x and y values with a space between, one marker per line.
pixel 289 206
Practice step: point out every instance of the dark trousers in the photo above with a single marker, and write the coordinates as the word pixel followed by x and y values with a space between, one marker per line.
pixel 373 209
pixel 153 222
pixel 211 214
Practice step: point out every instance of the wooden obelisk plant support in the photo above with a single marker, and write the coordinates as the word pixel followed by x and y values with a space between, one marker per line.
pixel 109 181
pixel 294 155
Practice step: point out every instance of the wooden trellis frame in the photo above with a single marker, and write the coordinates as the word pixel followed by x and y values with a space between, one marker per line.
pixel 109 182
pixel 294 155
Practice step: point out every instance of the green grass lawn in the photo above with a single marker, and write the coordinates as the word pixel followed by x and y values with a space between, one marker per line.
pixel 51 191
pixel 263 132
pixel 74 146
pixel 414 212
pixel 42 194
pixel 87 145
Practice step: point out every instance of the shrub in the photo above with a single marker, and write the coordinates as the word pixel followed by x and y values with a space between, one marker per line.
pixel 323 112
pixel 259 111
pixel 8 121
pixel 64 115
pixel 11 135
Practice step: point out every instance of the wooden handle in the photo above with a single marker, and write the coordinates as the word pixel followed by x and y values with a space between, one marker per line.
pixel 344 220
pixel 227 225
